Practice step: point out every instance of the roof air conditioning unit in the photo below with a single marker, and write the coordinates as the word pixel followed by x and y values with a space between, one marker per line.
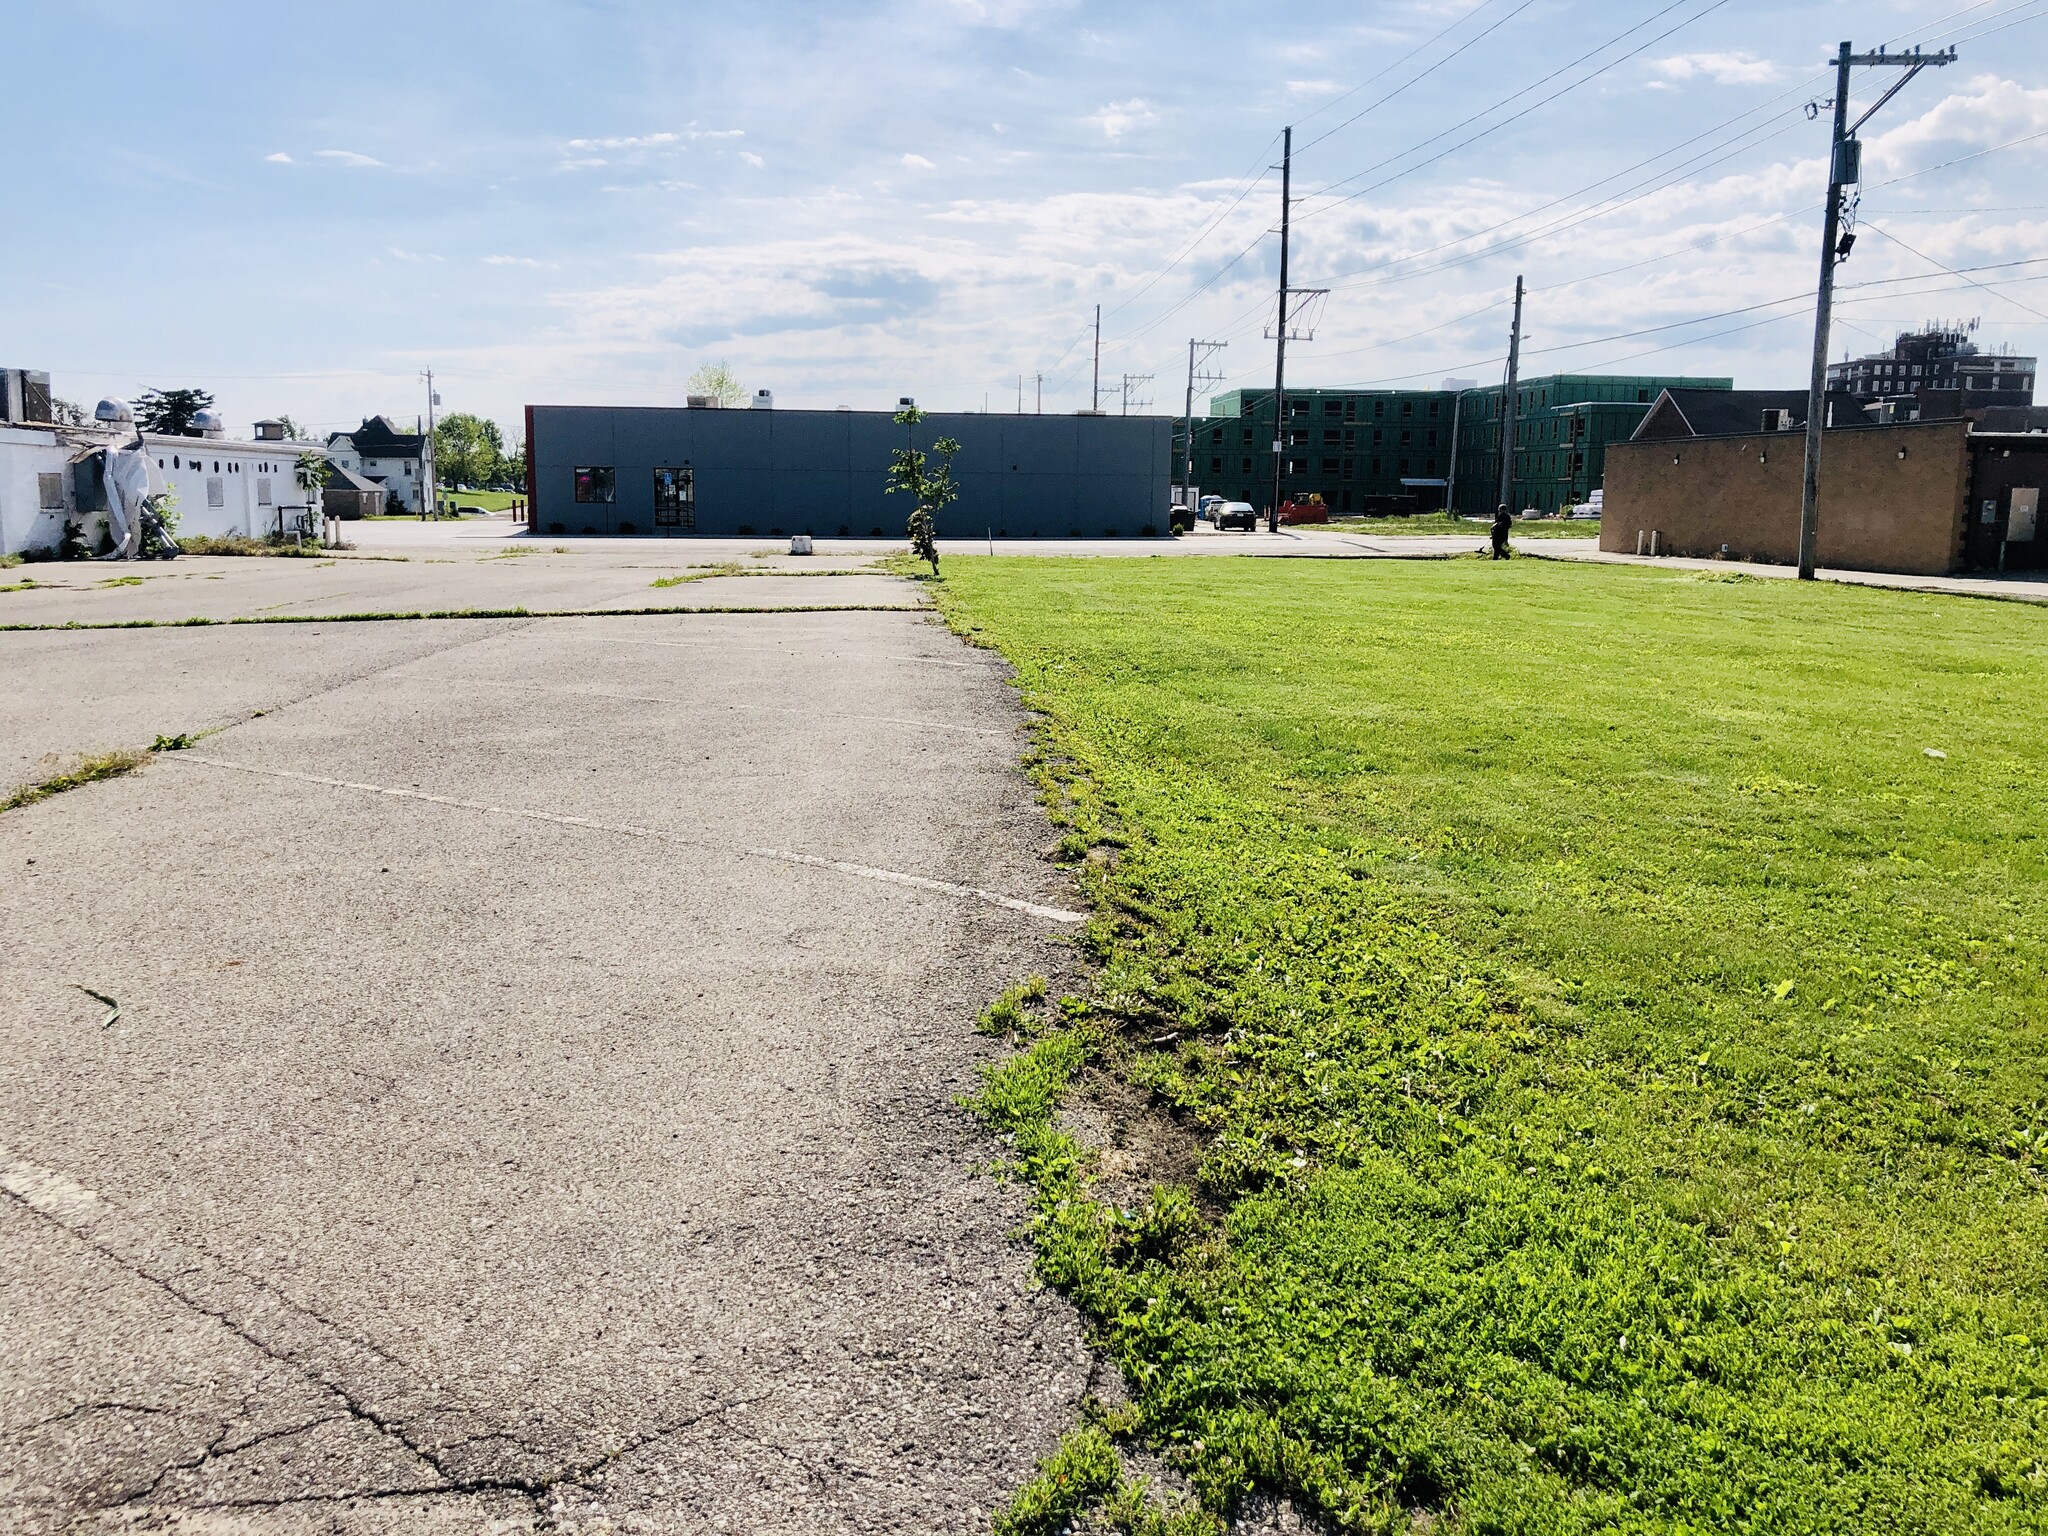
pixel 701 402
pixel 764 399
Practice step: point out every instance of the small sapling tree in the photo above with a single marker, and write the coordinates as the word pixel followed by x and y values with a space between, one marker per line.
pixel 930 490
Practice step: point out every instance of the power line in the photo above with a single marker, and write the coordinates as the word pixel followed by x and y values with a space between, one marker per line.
pixel 1952 272
pixel 1462 48
pixel 1713 5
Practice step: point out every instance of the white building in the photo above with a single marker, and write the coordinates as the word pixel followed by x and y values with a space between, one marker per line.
pixel 386 457
pixel 50 475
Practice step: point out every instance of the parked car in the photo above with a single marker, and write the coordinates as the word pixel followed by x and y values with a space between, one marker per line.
pixel 1206 507
pixel 1236 514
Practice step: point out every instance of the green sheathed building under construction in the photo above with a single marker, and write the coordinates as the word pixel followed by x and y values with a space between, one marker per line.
pixel 1379 450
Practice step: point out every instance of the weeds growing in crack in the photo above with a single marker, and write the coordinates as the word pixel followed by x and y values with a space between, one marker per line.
pixel 89 770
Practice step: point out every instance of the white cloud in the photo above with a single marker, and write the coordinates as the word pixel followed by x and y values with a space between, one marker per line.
pixel 280 158
pixel 917 163
pixel 751 158
pixel 510 261
pixel 347 157
pixel 1312 87
pixel 631 141
pixel 1120 117
pixel 1721 68
pixel 404 255
pixel 1987 111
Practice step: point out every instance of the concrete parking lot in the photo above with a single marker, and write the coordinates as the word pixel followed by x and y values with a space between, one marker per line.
pixel 527 1098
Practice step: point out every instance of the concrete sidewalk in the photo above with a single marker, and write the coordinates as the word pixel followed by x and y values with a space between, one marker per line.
pixel 532 1100
pixel 2027 587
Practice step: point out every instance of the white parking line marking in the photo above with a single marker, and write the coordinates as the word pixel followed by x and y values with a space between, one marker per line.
pixel 780 855
pixel 772 709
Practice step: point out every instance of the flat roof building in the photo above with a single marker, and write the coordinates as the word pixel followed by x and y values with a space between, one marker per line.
pixel 675 473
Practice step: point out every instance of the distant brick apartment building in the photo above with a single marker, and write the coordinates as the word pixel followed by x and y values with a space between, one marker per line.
pixel 1940 372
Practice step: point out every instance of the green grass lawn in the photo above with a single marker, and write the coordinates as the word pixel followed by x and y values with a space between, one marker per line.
pixel 485 501
pixel 1443 522
pixel 1615 1044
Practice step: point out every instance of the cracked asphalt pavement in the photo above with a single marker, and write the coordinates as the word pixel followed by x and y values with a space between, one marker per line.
pixel 533 1101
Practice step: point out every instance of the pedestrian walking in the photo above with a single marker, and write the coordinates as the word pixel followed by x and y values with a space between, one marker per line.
pixel 1503 524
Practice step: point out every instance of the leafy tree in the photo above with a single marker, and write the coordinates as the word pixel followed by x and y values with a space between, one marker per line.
pixel 66 413
pixel 933 490
pixel 292 430
pixel 511 468
pixel 466 450
pixel 719 382
pixel 169 412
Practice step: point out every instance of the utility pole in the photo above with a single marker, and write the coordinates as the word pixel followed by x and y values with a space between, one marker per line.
pixel 1039 378
pixel 1280 333
pixel 1095 396
pixel 1845 169
pixel 1451 478
pixel 1131 379
pixel 1199 352
pixel 433 492
pixel 1020 394
pixel 1507 407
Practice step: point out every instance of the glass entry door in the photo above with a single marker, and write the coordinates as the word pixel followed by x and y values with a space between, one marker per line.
pixel 675 499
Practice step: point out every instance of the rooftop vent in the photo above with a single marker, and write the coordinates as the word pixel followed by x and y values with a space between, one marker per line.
pixel 114 412
pixel 764 399
pixel 24 395
pixel 209 424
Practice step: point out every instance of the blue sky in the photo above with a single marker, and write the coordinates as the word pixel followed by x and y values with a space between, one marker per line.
pixel 300 207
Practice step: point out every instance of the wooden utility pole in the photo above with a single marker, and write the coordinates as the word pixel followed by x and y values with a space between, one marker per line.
pixel 1280 334
pixel 1206 350
pixel 1095 396
pixel 1845 158
pixel 1507 406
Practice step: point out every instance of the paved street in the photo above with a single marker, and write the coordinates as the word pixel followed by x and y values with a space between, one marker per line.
pixel 529 1095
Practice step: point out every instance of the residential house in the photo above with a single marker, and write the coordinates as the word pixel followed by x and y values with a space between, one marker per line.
pixel 380 453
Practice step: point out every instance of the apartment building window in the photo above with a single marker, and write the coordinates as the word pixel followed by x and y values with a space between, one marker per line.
pixel 1247 437
pixel 1350 438
pixel 1216 438
pixel 1333 407
pixel 1351 410
pixel 1404 467
pixel 1347 469
pixel 1329 466
pixel 1375 466
pixel 1407 409
pixel 596 483
pixel 1215 466
pixel 1332 437
pixel 1246 467
pixel 1297 466
pixel 1432 439
pixel 1379 408
pixel 1431 468
pixel 1379 436
pixel 1407 437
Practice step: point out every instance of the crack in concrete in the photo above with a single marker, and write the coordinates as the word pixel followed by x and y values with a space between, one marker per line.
pixel 779 855
pixel 98 1223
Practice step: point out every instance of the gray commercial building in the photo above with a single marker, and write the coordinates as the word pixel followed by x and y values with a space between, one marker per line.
pixel 652 470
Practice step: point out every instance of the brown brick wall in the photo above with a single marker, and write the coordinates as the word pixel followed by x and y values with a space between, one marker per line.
pixel 1878 511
